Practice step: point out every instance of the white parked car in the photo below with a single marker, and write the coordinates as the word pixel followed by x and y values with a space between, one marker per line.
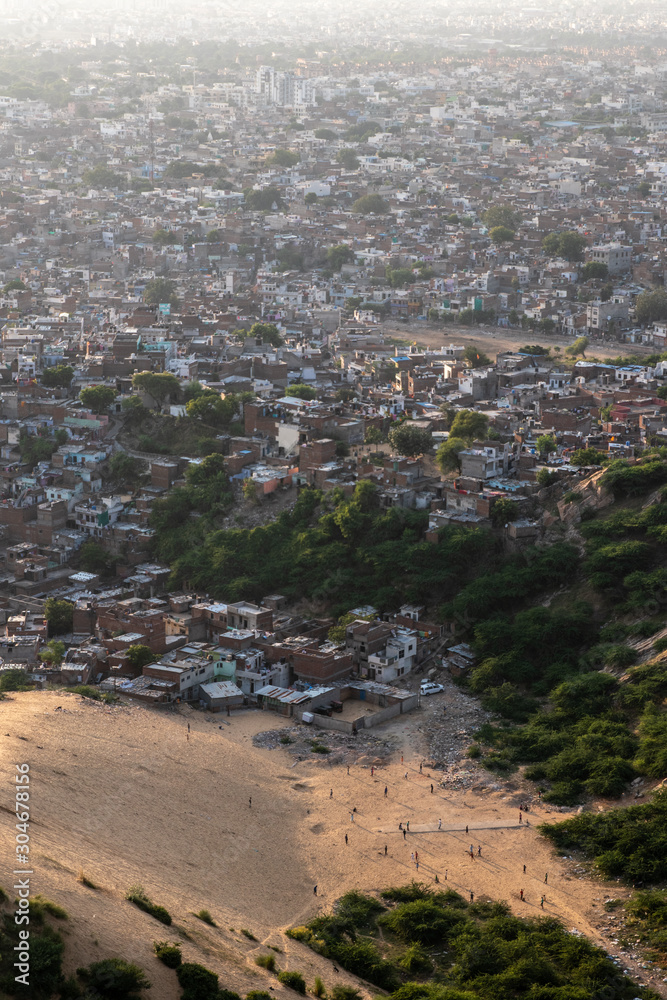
pixel 429 687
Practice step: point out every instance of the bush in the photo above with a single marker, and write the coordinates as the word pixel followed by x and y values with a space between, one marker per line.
pixel 342 992
pixel 259 995
pixel 660 645
pixel 319 989
pixel 294 980
pixel 248 934
pixel 206 917
pixel 137 895
pixel 423 922
pixel 40 905
pixel 474 751
pixel 266 962
pixel 197 982
pixel 88 882
pixel 114 979
pixel 168 953
pixel 415 959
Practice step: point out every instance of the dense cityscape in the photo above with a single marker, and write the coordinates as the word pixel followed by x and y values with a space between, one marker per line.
pixel 333 430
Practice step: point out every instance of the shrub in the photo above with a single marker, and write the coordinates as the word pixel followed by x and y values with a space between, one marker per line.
pixel 356 909
pixel 113 979
pixel 415 959
pixel 319 988
pixel 660 645
pixel 197 982
pixel 168 953
pixel 422 921
pixel 259 995
pixel 266 962
pixel 39 905
pixel 319 748
pixel 474 750
pixel 206 917
pixel 294 980
pixel 137 895
pixel 342 992
pixel 248 934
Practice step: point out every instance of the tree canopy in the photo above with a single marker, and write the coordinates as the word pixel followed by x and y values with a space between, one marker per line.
pixel 269 333
pixel 301 391
pixel 469 425
pixel 651 306
pixel 501 234
pixel 569 245
pixel 58 376
pixel 339 255
pixel 501 215
pixel 158 385
pixel 98 398
pixel 406 439
pixel 159 290
pixel 283 158
pixel 371 204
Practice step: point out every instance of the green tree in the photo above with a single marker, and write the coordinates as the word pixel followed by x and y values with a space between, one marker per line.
pixel 651 306
pixel 15 285
pixel 569 245
pixel 399 277
pixel 325 133
pixel 644 189
pixel 501 234
pixel 266 199
pixel 164 238
pixel 53 652
pixel 98 398
pixel 370 204
pixel 249 490
pixel 114 979
pixel 374 436
pixel 588 456
pixel 545 444
pixel 160 290
pixel 578 347
pixel 469 425
pixel 348 158
pixel 501 215
pixel 447 456
pixel 503 510
pixel 406 439
pixel 301 391
pixel 345 394
pixel 606 292
pixel 268 332
pixel 59 615
pixel 95 558
pixel 475 357
pixel 139 656
pixel 212 409
pixel 283 158
pixel 135 411
pixel 158 385
pixel 100 177
pixel 594 269
pixel 58 376
pixel 126 469
pixel 339 255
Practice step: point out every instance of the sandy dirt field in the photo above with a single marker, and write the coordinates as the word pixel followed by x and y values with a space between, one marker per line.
pixel 126 795
pixel 493 339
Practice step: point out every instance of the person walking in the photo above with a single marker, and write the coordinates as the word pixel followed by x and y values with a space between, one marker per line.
pixel 472 850
pixel 385 850
pixel 385 791
pixel 331 793
pixel 250 802
pixel 431 788
pixel 546 877
pixel 420 767
pixel 416 855
pixel 372 769
pixel 472 896
pixel 404 835
pixel 520 816
pixel 351 817
pixel 346 839
pixel 400 826
pixel 407 826
pixel 542 902
pixel 417 865
pixel 524 869
pixel 315 890
pixel 466 829
pixel 406 775
pixel 479 850
pixel 412 855
pixel 348 768
pixel 401 758
pixel 521 895
pixel 439 824
pixel 446 874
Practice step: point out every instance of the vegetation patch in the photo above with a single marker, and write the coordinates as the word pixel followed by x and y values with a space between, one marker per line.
pixel 137 895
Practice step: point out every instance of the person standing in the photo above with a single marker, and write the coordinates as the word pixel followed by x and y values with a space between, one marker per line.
pixel 351 817
pixel 404 835
pixel 406 775
pixel 431 788
pixel 331 793
pixel 524 869
pixel 546 877
pixel 479 850
pixel 385 850
pixel 315 890
pixel 520 816
pixel 372 769
pixel 420 767
pixel 385 791
pixel 250 802
pixel 439 824
pixel 472 896
pixel 407 826
pixel 521 894
pixel 542 902
pixel 346 839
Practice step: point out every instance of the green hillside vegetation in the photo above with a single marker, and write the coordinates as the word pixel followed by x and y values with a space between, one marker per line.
pixel 422 944
pixel 628 843
pixel 597 731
